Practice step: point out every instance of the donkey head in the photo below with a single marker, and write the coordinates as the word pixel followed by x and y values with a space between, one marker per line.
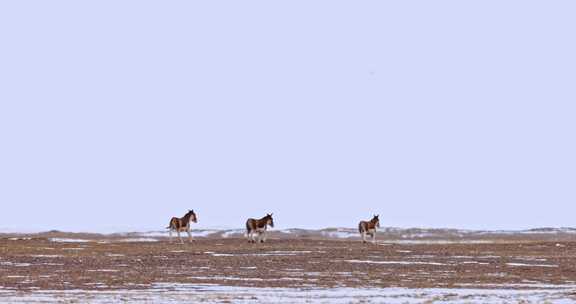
pixel 376 221
pixel 193 216
pixel 269 220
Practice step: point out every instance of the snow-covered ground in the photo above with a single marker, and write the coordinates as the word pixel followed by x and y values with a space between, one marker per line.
pixel 206 293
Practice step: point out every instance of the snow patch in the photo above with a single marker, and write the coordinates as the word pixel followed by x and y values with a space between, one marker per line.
pixel 137 240
pixel 194 293
pixel 66 240
pixel 530 265
pixel 393 262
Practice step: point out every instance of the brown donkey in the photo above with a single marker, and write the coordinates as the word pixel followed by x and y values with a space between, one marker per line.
pixel 254 226
pixel 182 224
pixel 369 227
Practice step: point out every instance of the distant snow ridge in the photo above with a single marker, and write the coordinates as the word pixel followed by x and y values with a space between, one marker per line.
pixel 384 235
pixel 387 234
pixel 339 233
pixel 233 233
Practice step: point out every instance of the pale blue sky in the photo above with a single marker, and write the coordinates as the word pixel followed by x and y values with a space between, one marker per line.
pixel 116 115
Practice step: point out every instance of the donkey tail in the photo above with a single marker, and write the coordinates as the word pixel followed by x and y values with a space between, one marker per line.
pixel 248 228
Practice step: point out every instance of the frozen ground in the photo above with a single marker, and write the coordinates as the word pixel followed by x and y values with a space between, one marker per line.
pixel 294 266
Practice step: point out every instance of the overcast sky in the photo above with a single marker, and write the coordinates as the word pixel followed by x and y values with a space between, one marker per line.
pixel 117 115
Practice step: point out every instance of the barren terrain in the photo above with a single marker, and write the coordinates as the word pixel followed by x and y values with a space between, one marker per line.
pixel 67 267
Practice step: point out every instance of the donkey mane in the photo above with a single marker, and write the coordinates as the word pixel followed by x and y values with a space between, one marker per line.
pixel 263 221
pixel 187 216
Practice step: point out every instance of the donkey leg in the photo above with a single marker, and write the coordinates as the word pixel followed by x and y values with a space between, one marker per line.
pixel 264 234
pixel 258 237
pixel 363 237
pixel 374 238
pixel 189 235
pixel 170 234
pixel 180 237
